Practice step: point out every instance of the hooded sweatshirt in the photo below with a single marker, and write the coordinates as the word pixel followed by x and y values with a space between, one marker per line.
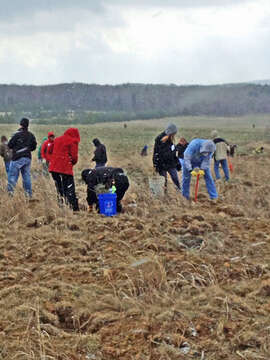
pixel 199 153
pixel 65 152
pixel 100 154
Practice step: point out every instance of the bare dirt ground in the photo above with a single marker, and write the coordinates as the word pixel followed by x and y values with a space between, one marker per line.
pixel 166 279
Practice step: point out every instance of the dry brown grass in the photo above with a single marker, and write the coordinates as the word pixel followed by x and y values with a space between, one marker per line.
pixel 88 287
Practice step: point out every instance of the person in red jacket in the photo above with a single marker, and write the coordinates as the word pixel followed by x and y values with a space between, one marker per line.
pixel 46 152
pixel 47 147
pixel 63 158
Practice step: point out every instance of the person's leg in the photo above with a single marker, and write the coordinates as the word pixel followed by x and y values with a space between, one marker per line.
pixel 210 184
pixel 69 191
pixel 13 175
pixel 224 164
pixel 186 177
pixel 216 169
pixel 59 186
pixel 121 184
pixel 26 176
pixel 174 176
pixel 165 175
pixel 7 165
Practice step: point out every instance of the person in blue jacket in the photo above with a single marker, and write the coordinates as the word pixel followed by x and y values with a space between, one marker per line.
pixel 198 154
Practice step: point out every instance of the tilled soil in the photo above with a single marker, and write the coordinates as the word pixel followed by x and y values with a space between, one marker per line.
pixel 167 279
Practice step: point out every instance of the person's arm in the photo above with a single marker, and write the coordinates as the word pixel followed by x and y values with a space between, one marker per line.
pixel 73 153
pixel 33 143
pixel 12 141
pixel 156 158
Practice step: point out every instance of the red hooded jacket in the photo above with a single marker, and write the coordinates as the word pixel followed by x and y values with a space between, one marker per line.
pixel 47 148
pixel 65 152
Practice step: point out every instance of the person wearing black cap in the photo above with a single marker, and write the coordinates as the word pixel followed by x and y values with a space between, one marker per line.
pixel 22 143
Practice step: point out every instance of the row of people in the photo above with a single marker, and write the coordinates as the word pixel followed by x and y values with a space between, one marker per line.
pixel 59 155
pixel 168 158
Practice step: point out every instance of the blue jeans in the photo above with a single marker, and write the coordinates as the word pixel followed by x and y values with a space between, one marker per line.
pixel 7 165
pixel 100 165
pixel 209 182
pixel 22 165
pixel 225 168
pixel 174 176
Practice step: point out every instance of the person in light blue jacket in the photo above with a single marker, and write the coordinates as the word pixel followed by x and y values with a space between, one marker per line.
pixel 198 154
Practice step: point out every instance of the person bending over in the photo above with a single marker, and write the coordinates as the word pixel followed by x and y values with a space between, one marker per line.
pixel 198 155
pixel 109 177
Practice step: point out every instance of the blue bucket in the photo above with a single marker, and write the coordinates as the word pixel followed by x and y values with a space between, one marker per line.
pixel 107 204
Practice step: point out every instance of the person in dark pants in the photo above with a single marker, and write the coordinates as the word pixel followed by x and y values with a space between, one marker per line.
pixel 100 154
pixel 164 157
pixel 22 143
pixel 64 157
pixel 109 177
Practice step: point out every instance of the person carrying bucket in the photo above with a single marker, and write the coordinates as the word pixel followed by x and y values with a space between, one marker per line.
pixel 198 156
pixel 220 156
pixel 164 157
pixel 111 178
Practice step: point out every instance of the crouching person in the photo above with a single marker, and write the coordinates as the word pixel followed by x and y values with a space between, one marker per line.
pixel 109 177
pixel 198 154
pixel 64 156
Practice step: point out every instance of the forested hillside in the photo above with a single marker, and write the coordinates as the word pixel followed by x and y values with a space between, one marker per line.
pixel 129 101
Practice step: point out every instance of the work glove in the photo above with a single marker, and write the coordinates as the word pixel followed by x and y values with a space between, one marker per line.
pixel 201 172
pixel 194 173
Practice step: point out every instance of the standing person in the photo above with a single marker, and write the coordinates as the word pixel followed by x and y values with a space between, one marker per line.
pixel 181 147
pixel 64 157
pixel 164 157
pixel 100 154
pixel 220 156
pixel 5 152
pixel 198 155
pixel 46 151
pixel 22 143
pixel 109 177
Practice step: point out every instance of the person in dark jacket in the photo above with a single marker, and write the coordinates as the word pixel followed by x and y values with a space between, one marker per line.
pixel 22 143
pixel 180 148
pixel 109 177
pixel 100 155
pixel 5 152
pixel 63 158
pixel 164 157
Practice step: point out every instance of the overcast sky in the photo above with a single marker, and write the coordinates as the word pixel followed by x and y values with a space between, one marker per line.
pixel 136 41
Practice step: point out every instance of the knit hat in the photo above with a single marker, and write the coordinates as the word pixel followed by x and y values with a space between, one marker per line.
pixel 24 123
pixel 214 134
pixel 50 133
pixel 171 129
pixel 208 146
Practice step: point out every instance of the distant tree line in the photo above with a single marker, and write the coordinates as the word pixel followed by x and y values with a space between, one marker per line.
pixel 88 104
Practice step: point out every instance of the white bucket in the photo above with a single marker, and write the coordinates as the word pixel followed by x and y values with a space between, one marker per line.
pixel 156 185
